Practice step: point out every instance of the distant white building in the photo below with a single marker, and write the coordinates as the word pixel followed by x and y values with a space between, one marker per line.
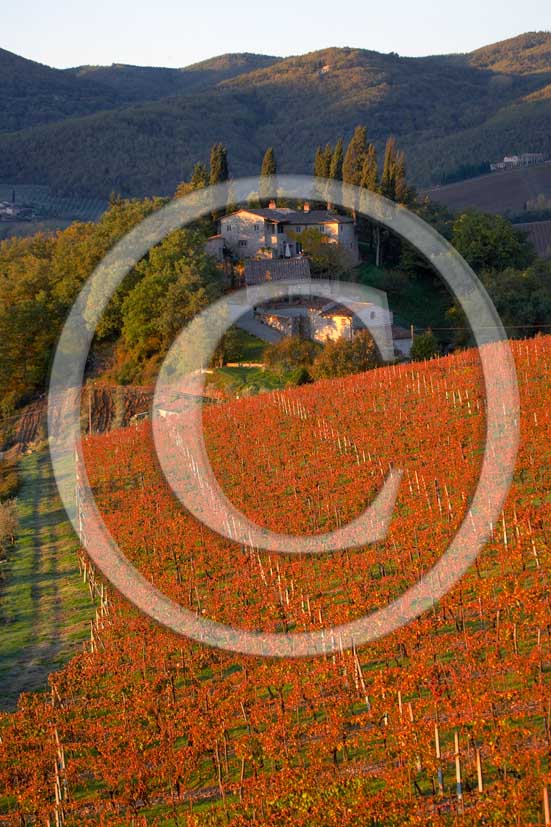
pixel 526 159
pixel 274 232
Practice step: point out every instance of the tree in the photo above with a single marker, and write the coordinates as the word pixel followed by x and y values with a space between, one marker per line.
pixel 354 157
pixel 345 356
pixel 490 242
pixel 522 299
pixel 219 171
pixel 327 159
pixel 388 178
pixel 370 171
pixel 40 277
pixel 291 353
pixel 269 166
pixel 328 260
pixel 200 176
pixel 8 523
pixel 199 180
pixel 335 168
pixel 268 172
pixel 425 347
pixel 176 281
pixel 320 166
pixel 402 193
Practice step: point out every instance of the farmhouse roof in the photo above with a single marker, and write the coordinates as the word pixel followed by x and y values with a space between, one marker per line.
pixel 287 216
pixel 261 270
pixel 351 308
pixel 318 217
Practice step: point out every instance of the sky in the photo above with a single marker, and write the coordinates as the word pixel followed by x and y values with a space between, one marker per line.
pixel 171 33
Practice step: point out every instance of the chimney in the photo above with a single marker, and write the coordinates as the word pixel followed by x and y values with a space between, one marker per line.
pixel 272 205
pixel 306 207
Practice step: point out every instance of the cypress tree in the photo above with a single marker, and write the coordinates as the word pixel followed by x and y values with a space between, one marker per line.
pixel 388 180
pixel 401 190
pixel 327 158
pixel 199 177
pixel 318 163
pixel 354 157
pixel 335 169
pixel 370 171
pixel 322 161
pixel 268 172
pixel 269 166
pixel 218 164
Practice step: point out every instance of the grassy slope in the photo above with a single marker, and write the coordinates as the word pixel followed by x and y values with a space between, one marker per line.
pixel 45 608
pixel 246 379
pixel 413 301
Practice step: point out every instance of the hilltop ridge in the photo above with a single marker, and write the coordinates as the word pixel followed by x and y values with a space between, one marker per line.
pixel 142 128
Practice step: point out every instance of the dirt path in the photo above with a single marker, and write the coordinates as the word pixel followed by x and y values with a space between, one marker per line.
pixel 45 608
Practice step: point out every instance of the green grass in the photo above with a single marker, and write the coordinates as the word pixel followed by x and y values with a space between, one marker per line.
pixel 44 606
pixel 418 301
pixel 249 380
pixel 250 348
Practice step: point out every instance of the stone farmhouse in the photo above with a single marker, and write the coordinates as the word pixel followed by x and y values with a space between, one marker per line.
pixel 322 320
pixel 274 232
pixel 267 241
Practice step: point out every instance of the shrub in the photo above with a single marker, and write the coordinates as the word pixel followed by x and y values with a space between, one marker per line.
pixel 9 480
pixel 8 523
pixel 291 353
pixel 425 347
pixel 346 356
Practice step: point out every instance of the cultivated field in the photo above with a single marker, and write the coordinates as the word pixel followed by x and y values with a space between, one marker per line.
pixel 445 722
pixel 499 192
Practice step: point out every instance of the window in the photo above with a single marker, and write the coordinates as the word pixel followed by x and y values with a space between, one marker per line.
pixel 298 229
pixel 280 228
pixel 372 314
pixel 242 243
pixel 228 227
pixel 256 227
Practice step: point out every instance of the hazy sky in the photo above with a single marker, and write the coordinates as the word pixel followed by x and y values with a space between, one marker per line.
pixel 170 33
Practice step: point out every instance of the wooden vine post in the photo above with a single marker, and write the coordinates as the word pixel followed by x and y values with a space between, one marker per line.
pixel 438 760
pixel 479 771
pixel 459 786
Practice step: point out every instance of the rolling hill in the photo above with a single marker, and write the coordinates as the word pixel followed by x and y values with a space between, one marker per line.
pixel 447 112
pixel 142 83
pixel 32 94
pixel 526 54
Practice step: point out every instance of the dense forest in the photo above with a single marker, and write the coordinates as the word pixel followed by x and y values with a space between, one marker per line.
pixel 141 83
pixel 453 114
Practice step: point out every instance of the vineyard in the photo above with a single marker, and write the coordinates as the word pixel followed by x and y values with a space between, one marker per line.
pixel 445 722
